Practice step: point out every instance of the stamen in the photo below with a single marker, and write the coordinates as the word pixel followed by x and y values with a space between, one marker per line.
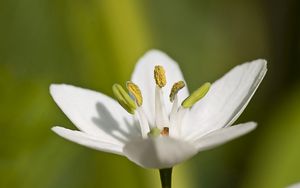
pixel 174 99
pixel 196 96
pixel 161 117
pixel 136 92
pixel 160 76
pixel 175 88
pixel 123 98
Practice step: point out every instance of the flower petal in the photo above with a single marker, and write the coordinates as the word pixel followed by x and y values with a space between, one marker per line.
pixel 143 76
pixel 296 185
pixel 223 135
pixel 94 113
pixel 160 152
pixel 226 99
pixel 88 140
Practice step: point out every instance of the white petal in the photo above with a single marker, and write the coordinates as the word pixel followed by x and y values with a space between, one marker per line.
pixel 297 185
pixel 226 99
pixel 160 152
pixel 223 135
pixel 143 76
pixel 88 140
pixel 94 113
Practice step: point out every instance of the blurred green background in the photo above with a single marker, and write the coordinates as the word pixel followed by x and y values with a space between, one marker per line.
pixel 95 43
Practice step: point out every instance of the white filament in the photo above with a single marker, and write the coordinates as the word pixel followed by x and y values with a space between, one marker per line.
pixel 161 117
pixel 145 129
pixel 174 109
pixel 175 129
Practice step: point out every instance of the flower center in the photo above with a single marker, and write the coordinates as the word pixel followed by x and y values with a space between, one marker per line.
pixel 166 124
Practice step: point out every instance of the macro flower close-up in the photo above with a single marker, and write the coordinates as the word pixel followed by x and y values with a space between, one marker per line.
pixel 157 123
pixel 149 94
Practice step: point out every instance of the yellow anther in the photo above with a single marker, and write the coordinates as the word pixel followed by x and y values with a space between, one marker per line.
pixel 136 92
pixel 123 98
pixel 176 87
pixel 196 96
pixel 160 76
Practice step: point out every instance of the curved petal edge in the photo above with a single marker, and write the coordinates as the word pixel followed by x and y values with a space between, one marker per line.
pixel 94 113
pixel 159 153
pixel 226 99
pixel 88 140
pixel 223 135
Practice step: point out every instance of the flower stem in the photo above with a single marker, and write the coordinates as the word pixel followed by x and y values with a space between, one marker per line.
pixel 165 177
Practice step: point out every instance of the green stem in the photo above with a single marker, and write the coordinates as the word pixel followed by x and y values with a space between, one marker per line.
pixel 165 177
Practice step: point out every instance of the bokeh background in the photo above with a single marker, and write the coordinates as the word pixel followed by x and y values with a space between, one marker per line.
pixel 95 43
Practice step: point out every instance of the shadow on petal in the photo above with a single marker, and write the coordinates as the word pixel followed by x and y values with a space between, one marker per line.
pixel 109 124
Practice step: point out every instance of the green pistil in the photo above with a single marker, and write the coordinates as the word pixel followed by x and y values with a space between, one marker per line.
pixel 154 132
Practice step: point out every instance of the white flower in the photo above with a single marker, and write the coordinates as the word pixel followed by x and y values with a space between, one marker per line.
pixel 184 128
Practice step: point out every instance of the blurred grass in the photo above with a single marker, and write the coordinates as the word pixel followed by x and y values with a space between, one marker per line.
pixel 94 44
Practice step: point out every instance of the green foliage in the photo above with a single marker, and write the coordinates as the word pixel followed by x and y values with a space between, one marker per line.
pixel 94 44
pixel 275 161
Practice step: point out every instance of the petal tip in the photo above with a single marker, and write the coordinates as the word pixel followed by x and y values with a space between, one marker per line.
pixel 57 129
pixel 155 55
pixel 262 62
pixel 223 135
pixel 252 125
pixel 154 52
pixel 54 87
